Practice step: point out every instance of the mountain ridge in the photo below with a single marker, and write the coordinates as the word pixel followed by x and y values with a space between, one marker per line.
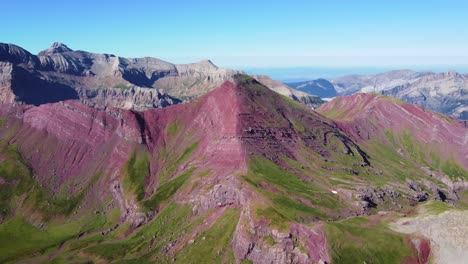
pixel 108 80
pixel 272 175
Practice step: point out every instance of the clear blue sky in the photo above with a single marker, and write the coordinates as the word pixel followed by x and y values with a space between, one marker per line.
pixel 249 33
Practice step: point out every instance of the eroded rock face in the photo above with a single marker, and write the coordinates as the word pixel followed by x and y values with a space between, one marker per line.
pixel 255 241
pixel 134 98
pixel 130 211
pixel 6 93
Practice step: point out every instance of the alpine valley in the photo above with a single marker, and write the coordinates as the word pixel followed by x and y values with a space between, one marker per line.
pixel 105 159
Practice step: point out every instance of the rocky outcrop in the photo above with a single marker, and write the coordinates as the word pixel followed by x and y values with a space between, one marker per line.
pixel 135 98
pixel 6 92
pixel 130 210
pixel 250 243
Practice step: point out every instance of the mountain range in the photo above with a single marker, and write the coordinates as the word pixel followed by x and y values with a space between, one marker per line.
pixel 445 92
pixel 59 73
pixel 244 171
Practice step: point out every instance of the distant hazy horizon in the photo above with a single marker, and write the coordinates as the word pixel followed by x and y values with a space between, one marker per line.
pixel 297 74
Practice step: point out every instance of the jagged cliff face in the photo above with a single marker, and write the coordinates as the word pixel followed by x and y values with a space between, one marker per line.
pixel 239 174
pixel 445 93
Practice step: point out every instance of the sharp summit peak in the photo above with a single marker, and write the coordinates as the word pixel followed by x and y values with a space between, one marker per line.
pixel 57 47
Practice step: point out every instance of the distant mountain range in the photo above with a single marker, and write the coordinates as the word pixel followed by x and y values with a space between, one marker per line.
pixel 445 92
pixel 320 87
pixel 59 73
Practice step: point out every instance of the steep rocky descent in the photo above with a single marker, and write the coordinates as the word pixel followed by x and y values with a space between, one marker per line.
pixel 306 97
pixel 320 87
pixel 241 173
pixel 445 92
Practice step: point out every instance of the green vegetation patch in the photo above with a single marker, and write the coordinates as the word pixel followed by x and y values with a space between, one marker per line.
pixel 171 165
pixel 437 207
pixel 285 208
pixel 174 128
pixel 168 189
pixel 349 242
pixel 454 171
pixel 276 218
pixel 295 210
pixel 122 86
pixel 213 245
pixel 136 170
pixel 18 178
pixel 19 238
pixel 261 169
pixel 151 241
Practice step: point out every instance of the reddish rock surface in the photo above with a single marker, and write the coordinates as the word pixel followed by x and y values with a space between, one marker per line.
pixel 367 116
pixel 69 142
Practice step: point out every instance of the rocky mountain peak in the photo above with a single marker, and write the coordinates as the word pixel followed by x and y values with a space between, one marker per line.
pixel 207 64
pixel 57 47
